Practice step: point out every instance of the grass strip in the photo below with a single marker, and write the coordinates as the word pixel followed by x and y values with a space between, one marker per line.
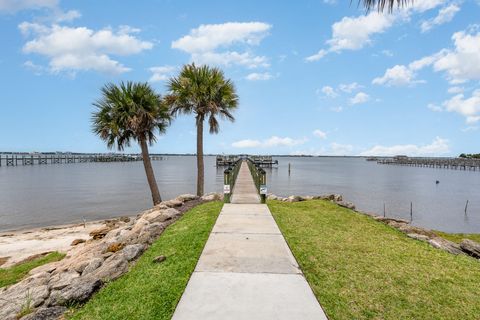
pixel 359 268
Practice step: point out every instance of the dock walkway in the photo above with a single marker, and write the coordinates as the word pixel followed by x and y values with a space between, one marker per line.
pixel 246 270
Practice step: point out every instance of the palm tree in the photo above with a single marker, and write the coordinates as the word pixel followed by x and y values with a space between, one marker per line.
pixel 131 111
pixel 381 4
pixel 206 93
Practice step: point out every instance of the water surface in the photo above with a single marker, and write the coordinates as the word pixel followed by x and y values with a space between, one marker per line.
pixel 43 195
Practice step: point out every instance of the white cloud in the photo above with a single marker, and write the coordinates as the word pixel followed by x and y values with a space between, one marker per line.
pixel 273 141
pixel 320 134
pixel 12 6
pixel 259 76
pixel 425 5
pixel 438 147
pixel 467 107
pixel 75 49
pixel 454 90
pixel 460 64
pixel 338 149
pixel 353 33
pixel 359 98
pixel 161 73
pixel 398 75
pixel 207 44
pixel 247 143
pixel 445 15
pixel 329 91
pixel 317 56
pixel 349 87
pixel 434 107
pixel 463 63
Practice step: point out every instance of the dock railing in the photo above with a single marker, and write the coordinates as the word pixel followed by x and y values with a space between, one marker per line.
pixel 229 177
pixel 259 178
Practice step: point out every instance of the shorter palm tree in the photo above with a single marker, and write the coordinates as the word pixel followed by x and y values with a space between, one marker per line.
pixel 131 111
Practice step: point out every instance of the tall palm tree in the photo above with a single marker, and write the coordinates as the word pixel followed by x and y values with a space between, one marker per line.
pixel 206 93
pixel 382 4
pixel 131 111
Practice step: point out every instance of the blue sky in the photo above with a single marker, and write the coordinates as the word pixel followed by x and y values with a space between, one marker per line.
pixel 314 77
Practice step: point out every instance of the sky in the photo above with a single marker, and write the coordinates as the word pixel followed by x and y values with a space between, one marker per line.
pixel 318 77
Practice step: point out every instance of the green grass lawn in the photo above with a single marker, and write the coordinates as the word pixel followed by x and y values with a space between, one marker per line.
pixel 362 269
pixel 149 290
pixel 16 273
pixel 458 237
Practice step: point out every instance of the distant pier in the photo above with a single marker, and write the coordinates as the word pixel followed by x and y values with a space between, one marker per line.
pixel 230 160
pixel 22 159
pixel 442 163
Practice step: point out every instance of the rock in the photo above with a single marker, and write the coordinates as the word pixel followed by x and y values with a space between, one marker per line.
pixel 63 279
pixel 294 199
pixel 307 198
pixel 186 197
pixel 92 265
pixel 49 267
pixel 99 233
pixel 114 247
pixel 417 236
pixel 133 251
pixel 112 268
pixel 139 225
pixel 212 197
pixel 77 241
pixel 46 313
pixel 337 197
pixel 159 259
pixel 346 204
pixel 446 245
pixel 173 203
pixel 272 197
pixel 124 219
pixel 472 248
pixel 78 292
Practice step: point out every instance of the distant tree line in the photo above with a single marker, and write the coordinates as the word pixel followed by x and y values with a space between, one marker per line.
pixel 470 155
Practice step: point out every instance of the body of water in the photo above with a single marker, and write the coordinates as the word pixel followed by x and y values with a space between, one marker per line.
pixel 43 195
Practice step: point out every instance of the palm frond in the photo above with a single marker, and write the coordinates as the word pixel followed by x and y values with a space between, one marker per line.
pixel 382 4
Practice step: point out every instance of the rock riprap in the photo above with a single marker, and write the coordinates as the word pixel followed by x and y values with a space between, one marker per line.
pixel 90 264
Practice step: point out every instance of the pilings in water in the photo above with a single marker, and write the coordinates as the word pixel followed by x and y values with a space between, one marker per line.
pixel 39 159
pixel 443 163
pixel 230 160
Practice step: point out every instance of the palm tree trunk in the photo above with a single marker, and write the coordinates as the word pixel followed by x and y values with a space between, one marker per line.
pixel 200 165
pixel 150 174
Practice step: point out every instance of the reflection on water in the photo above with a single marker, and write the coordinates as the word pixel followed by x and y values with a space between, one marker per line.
pixel 55 194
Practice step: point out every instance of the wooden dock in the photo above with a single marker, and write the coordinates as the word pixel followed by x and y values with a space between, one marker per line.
pixel 230 160
pixel 22 159
pixel 442 163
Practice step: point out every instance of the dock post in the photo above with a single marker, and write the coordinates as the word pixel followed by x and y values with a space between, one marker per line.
pixel 466 207
pixel 411 211
pixel 289 169
pixel 263 186
pixel 227 185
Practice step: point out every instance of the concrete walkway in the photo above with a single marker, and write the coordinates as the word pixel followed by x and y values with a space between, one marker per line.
pixel 246 270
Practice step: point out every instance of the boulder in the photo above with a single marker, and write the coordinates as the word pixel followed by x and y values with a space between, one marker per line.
pixel 294 199
pixel 173 203
pixel 133 251
pixel 186 197
pixel 92 265
pixel 472 248
pixel 124 219
pixel 77 241
pixel 114 247
pixel 46 313
pixel 99 233
pixel 416 236
pixel 161 215
pixel 212 197
pixel 159 259
pixel 112 268
pixel 78 292
pixel 61 280
pixel 446 245
pixel 49 268
pixel 346 204
pixel 139 225
pixel 271 196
